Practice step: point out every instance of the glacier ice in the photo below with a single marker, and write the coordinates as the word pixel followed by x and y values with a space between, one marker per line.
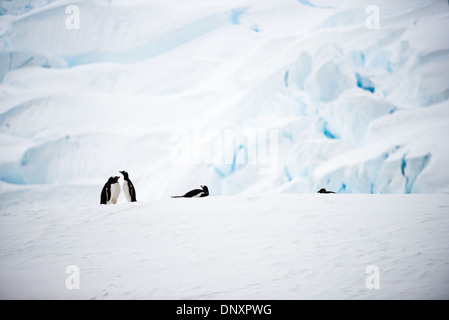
pixel 365 83
pixel 354 110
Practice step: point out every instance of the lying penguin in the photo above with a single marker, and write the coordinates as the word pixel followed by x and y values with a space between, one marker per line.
pixel 196 193
pixel 322 190
pixel 111 191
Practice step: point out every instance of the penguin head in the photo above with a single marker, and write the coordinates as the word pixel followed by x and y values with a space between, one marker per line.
pixel 322 190
pixel 113 179
pixel 124 173
pixel 205 188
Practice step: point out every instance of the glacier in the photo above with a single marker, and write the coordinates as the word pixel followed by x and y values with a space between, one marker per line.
pixel 244 96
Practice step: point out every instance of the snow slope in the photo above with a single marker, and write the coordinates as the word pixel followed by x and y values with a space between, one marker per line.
pixel 264 102
pixel 230 247
pixel 175 93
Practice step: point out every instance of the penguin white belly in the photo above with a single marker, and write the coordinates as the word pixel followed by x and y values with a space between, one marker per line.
pixel 115 190
pixel 126 191
pixel 198 195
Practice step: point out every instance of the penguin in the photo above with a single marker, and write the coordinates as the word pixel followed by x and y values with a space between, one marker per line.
pixel 115 191
pixel 128 188
pixel 322 190
pixel 108 190
pixel 196 193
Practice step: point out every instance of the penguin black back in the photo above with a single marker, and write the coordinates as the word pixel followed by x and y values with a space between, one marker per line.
pixel 128 187
pixel 196 193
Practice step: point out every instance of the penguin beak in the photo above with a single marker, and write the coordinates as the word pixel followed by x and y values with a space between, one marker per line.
pixel 201 187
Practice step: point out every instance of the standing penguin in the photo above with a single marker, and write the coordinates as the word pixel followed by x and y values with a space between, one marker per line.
pixel 196 193
pixel 115 191
pixel 110 191
pixel 128 187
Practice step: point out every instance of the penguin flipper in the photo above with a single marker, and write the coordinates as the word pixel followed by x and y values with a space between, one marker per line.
pixel 104 195
pixel 193 193
pixel 132 192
